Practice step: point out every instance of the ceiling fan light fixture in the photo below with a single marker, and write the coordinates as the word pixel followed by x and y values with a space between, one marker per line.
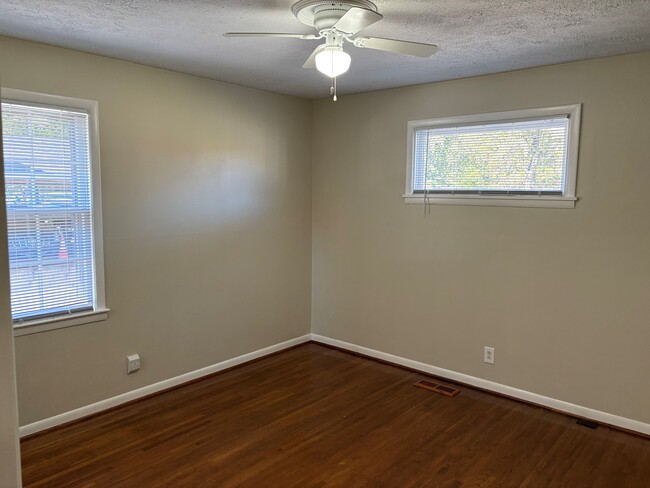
pixel 333 61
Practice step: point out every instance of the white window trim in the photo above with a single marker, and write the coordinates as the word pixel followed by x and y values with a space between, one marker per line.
pixel 53 323
pixel 566 200
pixel 99 312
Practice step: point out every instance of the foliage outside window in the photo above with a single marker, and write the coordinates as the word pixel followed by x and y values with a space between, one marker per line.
pixel 523 158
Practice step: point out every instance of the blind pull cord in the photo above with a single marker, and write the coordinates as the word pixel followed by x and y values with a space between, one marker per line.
pixel 425 199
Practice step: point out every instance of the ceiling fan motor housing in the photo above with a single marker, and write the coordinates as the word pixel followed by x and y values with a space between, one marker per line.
pixel 323 14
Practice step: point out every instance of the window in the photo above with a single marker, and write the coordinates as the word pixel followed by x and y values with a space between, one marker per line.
pixel 520 158
pixel 51 170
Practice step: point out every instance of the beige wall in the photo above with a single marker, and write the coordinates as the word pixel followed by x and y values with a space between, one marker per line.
pixel 9 453
pixel 207 191
pixel 563 295
pixel 207 226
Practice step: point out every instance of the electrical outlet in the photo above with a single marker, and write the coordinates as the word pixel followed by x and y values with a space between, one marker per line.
pixel 488 355
pixel 132 363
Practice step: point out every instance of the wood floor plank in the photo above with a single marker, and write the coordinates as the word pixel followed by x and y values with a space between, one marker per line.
pixel 317 417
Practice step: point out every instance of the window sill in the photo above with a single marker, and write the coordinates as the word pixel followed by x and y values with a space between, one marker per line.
pixel 494 200
pixel 43 325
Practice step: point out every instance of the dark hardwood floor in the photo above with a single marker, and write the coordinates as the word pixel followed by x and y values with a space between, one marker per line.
pixel 317 417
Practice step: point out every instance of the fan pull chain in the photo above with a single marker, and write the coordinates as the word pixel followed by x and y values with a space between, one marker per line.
pixel 333 88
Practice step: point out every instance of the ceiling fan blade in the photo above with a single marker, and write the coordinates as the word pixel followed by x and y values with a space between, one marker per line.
pixel 393 45
pixel 311 60
pixel 356 19
pixel 270 34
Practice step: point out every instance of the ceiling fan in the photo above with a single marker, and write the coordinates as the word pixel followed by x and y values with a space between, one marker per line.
pixel 337 22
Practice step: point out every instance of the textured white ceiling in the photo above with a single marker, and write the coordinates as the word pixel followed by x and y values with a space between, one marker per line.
pixel 475 37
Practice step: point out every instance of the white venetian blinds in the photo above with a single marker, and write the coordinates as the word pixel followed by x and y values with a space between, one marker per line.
pixel 518 157
pixel 49 210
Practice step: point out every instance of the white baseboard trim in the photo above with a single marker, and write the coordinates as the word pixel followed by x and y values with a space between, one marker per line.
pixel 544 401
pixel 97 407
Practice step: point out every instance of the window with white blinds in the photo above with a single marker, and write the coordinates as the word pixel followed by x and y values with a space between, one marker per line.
pixel 50 210
pixel 518 156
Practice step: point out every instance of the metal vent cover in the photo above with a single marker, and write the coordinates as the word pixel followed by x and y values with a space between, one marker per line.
pixel 438 388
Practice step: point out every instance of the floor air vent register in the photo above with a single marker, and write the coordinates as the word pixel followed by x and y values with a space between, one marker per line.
pixel 442 389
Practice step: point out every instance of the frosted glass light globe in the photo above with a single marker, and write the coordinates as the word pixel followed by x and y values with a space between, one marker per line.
pixel 333 61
